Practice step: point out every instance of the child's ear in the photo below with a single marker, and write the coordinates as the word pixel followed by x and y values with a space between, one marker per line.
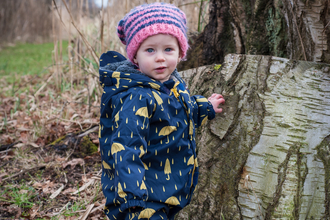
pixel 179 58
pixel 135 60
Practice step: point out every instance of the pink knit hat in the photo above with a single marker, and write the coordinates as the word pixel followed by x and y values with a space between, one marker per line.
pixel 151 19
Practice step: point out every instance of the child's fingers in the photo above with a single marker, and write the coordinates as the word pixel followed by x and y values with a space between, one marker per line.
pixel 215 96
pixel 218 110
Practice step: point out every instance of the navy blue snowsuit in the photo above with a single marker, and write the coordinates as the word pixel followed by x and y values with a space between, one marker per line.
pixel 147 143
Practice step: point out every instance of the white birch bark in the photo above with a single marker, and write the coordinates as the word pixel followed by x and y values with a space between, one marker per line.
pixel 268 155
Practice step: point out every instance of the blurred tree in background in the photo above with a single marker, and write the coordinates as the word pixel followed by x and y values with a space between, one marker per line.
pixel 32 20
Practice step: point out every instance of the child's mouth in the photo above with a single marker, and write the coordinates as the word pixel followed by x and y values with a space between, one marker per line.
pixel 160 69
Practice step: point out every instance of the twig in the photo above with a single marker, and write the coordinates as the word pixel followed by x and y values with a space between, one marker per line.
pixel 57 213
pixel 85 186
pixel 6 147
pixel 88 210
pixel 190 3
pixel 44 85
pixel 57 192
pixel 74 148
pixel 88 131
pixel 98 208
pixel 24 171
pixel 75 122
pixel 91 50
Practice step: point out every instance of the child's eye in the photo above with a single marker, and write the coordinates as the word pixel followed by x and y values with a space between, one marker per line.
pixel 168 49
pixel 150 50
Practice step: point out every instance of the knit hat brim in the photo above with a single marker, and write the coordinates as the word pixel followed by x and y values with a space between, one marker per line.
pixel 150 19
pixel 155 29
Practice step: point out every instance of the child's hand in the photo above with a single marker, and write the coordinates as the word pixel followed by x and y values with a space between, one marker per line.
pixel 216 100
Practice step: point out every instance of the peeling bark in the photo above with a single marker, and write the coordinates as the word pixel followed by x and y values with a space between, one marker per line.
pixel 268 155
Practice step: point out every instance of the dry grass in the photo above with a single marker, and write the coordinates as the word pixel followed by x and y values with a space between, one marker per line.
pixel 48 130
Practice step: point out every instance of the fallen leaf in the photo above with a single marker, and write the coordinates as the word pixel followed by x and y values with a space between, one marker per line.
pixel 33 211
pixel 68 191
pixel 74 162
pixel 33 144
pixel 47 187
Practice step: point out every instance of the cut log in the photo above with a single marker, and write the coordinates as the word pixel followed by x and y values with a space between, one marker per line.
pixel 267 156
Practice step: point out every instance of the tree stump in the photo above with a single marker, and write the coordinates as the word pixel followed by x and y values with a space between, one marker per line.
pixel 267 156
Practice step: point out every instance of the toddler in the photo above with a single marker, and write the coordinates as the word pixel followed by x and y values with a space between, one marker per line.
pixel 148 118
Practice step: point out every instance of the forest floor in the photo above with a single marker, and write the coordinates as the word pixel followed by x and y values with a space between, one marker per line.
pixel 50 165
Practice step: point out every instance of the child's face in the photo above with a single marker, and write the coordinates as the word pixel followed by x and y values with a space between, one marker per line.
pixel 158 56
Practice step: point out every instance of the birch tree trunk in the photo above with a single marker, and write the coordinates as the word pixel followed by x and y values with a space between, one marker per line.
pixel 267 156
pixel 293 29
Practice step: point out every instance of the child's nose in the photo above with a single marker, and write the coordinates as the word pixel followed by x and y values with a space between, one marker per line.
pixel 160 57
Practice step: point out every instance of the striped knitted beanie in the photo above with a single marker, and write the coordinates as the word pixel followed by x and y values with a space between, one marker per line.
pixel 150 19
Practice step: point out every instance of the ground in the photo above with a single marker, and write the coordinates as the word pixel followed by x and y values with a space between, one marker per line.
pixel 49 158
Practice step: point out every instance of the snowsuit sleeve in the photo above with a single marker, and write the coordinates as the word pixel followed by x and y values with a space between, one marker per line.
pixel 203 110
pixel 124 131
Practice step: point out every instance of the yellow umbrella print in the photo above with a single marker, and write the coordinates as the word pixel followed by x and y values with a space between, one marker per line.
pixel 146 213
pixel 167 169
pixel 172 201
pixel 117 119
pixel 121 192
pixel 144 113
pixel 166 131
pixel 191 161
pixel 154 86
pixel 142 151
pixel 116 147
pixel 143 185
pixel 159 100
pixel 117 76
pixel 105 165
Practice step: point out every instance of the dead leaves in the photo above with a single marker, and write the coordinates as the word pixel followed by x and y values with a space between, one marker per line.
pixel 29 123
pixel 74 162
pixel 46 187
